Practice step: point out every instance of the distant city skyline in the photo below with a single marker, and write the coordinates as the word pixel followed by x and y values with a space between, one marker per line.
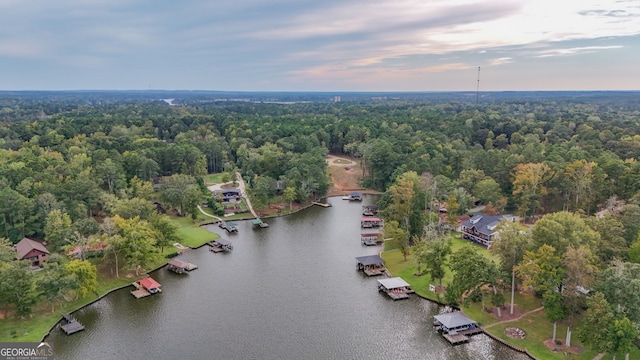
pixel 297 45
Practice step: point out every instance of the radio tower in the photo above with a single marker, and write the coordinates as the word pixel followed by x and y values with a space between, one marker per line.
pixel 478 86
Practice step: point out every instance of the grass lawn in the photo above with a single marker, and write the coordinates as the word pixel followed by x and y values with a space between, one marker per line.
pixel 42 319
pixel 212 179
pixel 190 233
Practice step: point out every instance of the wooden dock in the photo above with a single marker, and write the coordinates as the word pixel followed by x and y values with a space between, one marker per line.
pixel 139 292
pixel 461 336
pixel 71 324
pixel 321 204
pixel 258 222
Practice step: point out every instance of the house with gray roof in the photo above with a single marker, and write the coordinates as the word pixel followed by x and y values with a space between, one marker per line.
pixel 481 228
pixel 33 251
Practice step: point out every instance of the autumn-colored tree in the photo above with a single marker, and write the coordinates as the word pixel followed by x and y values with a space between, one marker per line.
pixel 529 185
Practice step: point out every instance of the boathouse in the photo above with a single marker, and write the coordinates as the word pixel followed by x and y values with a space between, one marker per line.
pixel 180 267
pixel 370 239
pixel 395 287
pixel 355 196
pixel 371 264
pixel 220 245
pixel 369 210
pixel 370 222
pixel 228 226
pixel 145 287
pixel 482 228
pixel 456 327
pixel 259 223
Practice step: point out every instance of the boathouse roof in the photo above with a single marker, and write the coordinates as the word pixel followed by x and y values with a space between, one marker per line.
pixel 370 260
pixel 392 283
pixel 454 319
pixel 149 283
pixel 222 241
pixel 370 219
pixel 178 263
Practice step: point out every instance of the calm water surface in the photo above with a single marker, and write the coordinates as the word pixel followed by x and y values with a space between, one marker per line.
pixel 287 292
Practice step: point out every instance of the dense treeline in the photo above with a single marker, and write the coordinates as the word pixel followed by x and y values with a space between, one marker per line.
pixel 78 172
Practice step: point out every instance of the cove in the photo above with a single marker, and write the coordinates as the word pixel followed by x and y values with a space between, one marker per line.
pixel 290 291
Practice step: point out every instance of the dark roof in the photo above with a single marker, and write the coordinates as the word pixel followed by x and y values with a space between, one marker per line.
pixel 454 319
pixel 178 263
pixel 222 241
pixel 370 260
pixel 484 224
pixel 227 191
pixel 26 245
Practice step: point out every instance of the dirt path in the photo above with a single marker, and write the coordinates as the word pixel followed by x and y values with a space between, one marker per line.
pixel 514 319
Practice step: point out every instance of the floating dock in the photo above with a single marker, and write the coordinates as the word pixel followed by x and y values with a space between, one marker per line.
pixel 71 325
pixel 321 204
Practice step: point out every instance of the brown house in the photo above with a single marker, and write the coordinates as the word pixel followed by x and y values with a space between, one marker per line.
pixel 33 251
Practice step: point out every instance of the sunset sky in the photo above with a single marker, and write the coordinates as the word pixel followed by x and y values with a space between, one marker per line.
pixel 302 45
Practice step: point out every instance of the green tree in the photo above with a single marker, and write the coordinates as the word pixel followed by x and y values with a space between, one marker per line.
pixel 58 229
pixel 400 238
pixel 18 287
pixel 563 229
pixel 554 309
pixel 166 231
pixel 529 184
pixel 174 190
pixel 598 316
pixel 290 195
pixel 85 274
pixel 54 282
pixel 541 270
pixel 434 256
pixel 138 242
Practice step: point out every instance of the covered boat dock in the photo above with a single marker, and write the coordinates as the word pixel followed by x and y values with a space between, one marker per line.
pixel 228 226
pixel 145 287
pixel 370 222
pixel 371 264
pixel 395 287
pixel 259 223
pixel 180 267
pixel 220 245
pixel 370 239
pixel 456 327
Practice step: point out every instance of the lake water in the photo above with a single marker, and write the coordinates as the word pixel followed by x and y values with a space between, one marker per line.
pixel 290 291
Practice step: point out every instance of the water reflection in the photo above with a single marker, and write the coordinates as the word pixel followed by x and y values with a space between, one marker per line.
pixel 290 291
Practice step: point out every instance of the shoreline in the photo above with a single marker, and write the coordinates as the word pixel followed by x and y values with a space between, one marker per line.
pixel 372 192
